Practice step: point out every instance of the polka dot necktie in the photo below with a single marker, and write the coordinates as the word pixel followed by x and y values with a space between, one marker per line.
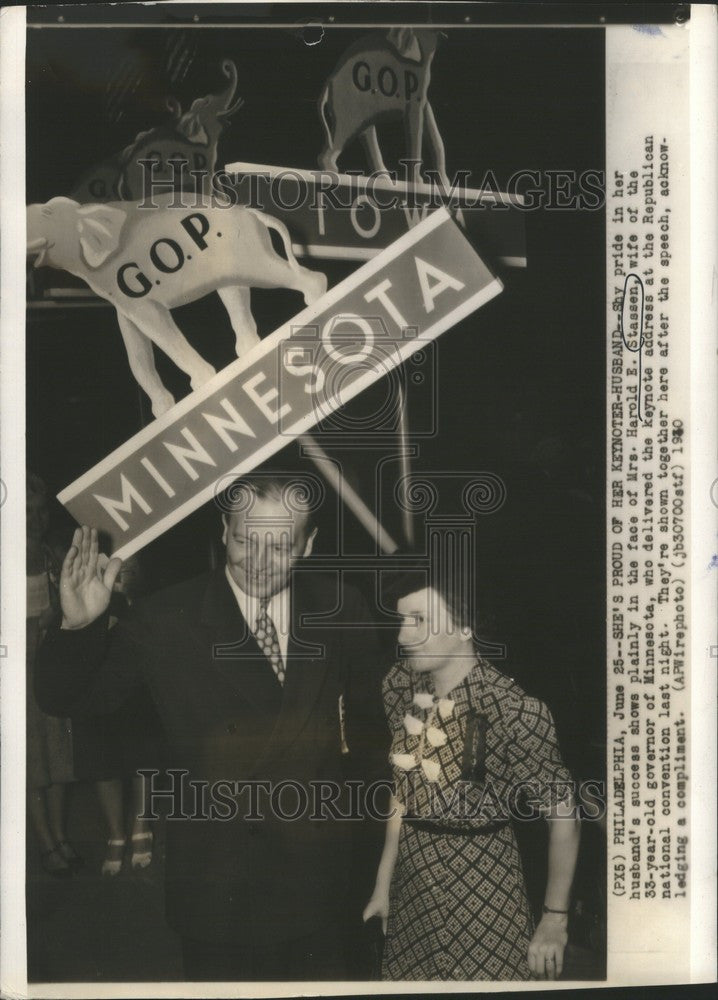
pixel 266 635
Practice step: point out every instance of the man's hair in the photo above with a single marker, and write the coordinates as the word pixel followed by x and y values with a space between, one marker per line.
pixel 299 493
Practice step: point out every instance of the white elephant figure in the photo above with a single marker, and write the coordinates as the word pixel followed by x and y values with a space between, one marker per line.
pixel 383 77
pixel 148 261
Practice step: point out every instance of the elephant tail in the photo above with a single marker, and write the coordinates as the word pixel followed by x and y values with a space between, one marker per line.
pixel 326 115
pixel 271 223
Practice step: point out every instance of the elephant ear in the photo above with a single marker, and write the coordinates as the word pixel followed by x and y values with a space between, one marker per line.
pixel 405 42
pixel 99 228
pixel 191 127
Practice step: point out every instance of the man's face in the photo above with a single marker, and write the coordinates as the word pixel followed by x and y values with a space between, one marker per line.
pixel 428 637
pixel 263 544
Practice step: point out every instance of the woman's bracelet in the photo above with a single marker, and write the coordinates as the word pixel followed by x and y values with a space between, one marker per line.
pixel 547 909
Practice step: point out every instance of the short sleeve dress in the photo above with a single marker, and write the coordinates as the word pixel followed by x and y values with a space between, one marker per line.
pixel 463 766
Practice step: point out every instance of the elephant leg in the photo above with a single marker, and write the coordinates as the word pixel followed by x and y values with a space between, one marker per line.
pixel 328 157
pixel 312 284
pixel 370 141
pixel 156 322
pixel 439 151
pixel 437 144
pixel 414 130
pixel 142 366
pixel 236 299
pixel 280 274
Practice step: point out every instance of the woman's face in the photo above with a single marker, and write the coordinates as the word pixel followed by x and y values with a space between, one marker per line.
pixel 128 578
pixel 428 637
pixel 36 515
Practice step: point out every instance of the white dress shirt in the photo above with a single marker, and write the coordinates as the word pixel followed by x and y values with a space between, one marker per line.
pixel 278 609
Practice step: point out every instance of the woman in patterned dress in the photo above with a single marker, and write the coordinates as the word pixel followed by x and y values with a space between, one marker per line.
pixel 469 750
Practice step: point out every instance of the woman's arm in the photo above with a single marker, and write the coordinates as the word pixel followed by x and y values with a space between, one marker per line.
pixel 550 938
pixel 378 905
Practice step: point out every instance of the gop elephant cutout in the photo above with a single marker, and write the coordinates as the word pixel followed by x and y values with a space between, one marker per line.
pixel 191 136
pixel 147 262
pixel 383 77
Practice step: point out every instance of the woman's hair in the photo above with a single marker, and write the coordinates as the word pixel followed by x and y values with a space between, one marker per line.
pixel 455 593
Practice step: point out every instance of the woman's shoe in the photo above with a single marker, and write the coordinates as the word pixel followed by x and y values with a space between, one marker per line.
pixel 141 855
pixel 112 865
pixel 54 863
pixel 70 855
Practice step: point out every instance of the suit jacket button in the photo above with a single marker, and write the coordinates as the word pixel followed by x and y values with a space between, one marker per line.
pixel 231 728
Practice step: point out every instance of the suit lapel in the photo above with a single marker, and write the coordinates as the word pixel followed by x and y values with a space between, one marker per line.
pixel 308 656
pixel 233 648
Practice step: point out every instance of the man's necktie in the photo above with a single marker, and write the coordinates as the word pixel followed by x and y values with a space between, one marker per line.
pixel 266 635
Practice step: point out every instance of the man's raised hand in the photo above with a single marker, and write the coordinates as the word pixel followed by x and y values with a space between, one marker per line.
pixel 86 581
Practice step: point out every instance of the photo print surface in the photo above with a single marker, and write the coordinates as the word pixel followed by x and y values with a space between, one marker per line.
pixel 354 403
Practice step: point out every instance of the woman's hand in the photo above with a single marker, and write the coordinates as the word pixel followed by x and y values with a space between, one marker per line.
pixel 547 947
pixel 378 906
pixel 86 580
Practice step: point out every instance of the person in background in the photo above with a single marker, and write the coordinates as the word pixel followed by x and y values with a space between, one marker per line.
pixel 466 740
pixel 134 731
pixel 49 740
pixel 109 749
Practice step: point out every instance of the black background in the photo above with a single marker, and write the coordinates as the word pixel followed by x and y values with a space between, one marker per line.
pixel 519 385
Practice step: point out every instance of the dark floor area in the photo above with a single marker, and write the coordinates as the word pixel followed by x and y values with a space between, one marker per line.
pixel 90 928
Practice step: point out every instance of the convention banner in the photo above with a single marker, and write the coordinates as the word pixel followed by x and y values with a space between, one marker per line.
pixel 423 284
pixel 353 217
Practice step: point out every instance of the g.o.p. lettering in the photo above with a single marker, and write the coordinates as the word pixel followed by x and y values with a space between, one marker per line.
pixel 385 81
pixel 166 256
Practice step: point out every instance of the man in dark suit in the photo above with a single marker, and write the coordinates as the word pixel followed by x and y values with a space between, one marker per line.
pixel 267 680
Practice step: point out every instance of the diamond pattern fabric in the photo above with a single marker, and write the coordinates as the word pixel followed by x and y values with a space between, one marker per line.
pixel 266 635
pixel 458 906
